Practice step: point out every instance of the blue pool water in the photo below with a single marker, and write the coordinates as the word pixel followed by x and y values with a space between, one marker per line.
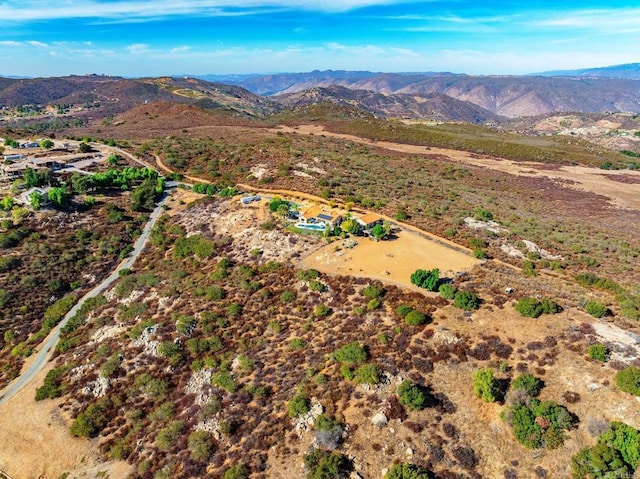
pixel 311 226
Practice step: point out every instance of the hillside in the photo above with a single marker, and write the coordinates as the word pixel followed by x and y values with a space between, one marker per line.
pixel 510 96
pixel 430 107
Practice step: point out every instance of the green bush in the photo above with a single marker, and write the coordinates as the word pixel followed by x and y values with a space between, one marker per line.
pixel 527 382
pixel 599 352
pixel 92 420
pixel 200 445
pixel 415 318
pixel 373 291
pixel 485 385
pixel 405 470
pixel 628 380
pixel 466 300
pixel 411 395
pixel 596 309
pixel 322 464
pixel 52 386
pixel 224 380
pixel 529 307
pixel 237 471
pixel 482 214
pixel 447 291
pixel 169 435
pixel 403 310
pixel 288 296
pixel 321 310
pixel 307 274
pixel 298 406
pixel 539 424
pixel 426 279
pixel 351 353
pixel 369 373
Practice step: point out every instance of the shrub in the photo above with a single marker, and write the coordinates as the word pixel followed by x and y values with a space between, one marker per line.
pixel 527 382
pixel 537 424
pixel 298 406
pixel 200 445
pixel 599 352
pixel 628 380
pixel 288 296
pixel 52 386
pixel 466 300
pixel 92 420
pixel 484 385
pixel 327 465
pixel 307 274
pixel 411 395
pixel 351 353
pixel 482 214
pixel 415 318
pixel 237 471
pixel 321 310
pixel 373 291
pixel 405 470
pixel 169 435
pixel 328 431
pixel 224 380
pixel 368 374
pixel 447 291
pixel 403 310
pixel 596 309
pixel 426 279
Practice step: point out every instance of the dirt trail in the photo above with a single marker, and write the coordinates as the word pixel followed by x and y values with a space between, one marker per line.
pixel 593 180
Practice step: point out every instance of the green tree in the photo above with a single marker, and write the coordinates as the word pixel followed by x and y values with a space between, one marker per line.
pixel 351 226
pixel 46 144
pixel 36 200
pixel 7 203
pixel 58 196
pixel 144 196
pixel 379 232
pixel 485 385
pixel 466 300
pixel 426 279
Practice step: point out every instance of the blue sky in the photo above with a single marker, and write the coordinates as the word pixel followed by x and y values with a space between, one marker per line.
pixel 165 37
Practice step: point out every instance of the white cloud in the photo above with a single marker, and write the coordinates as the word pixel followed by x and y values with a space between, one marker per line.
pixel 132 10
pixel 610 20
pixel 138 48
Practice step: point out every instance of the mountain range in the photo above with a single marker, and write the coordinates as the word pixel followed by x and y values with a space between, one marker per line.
pixel 424 96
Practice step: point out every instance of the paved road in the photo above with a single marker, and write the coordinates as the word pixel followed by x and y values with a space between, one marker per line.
pixel 46 348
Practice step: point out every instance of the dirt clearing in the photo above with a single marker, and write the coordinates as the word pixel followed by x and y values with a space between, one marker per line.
pixel 392 261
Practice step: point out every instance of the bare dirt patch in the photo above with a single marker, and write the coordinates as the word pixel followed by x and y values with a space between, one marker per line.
pixel 391 261
pixel 36 442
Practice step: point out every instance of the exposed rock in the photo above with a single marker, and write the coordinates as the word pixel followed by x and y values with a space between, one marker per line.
pixel 380 419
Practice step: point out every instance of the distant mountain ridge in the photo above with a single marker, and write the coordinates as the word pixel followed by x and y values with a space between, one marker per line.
pixel 628 71
pixel 509 96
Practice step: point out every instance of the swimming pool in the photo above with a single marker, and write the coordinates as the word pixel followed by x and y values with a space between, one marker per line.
pixel 312 226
